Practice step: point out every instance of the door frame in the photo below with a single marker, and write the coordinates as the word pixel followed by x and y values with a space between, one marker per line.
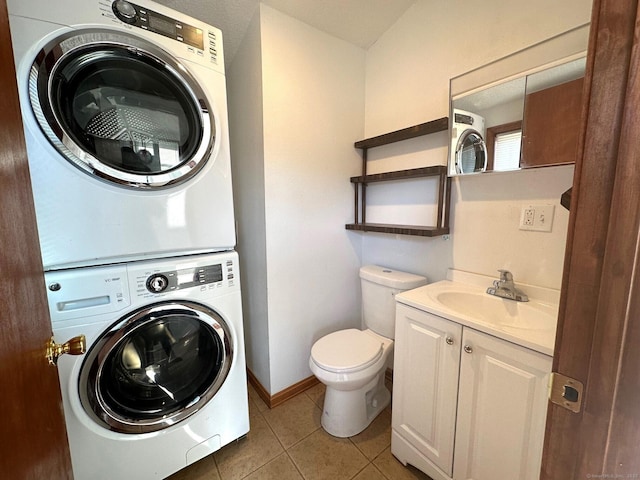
pixel 34 437
pixel 599 322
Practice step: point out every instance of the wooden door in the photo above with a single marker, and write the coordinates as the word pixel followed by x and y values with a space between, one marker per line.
pixel 551 125
pixel 599 323
pixel 502 404
pixel 33 439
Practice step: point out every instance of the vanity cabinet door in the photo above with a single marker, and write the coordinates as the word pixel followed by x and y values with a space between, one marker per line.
pixel 502 407
pixel 425 389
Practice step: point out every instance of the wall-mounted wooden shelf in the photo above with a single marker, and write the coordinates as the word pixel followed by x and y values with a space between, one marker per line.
pixel 426 128
pixel 416 230
pixel 565 199
pixel 400 174
pixel 361 182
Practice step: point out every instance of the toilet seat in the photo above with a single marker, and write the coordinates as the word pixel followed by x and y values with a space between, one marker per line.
pixel 346 351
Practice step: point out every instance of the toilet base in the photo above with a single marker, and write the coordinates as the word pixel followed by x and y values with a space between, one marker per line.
pixel 347 413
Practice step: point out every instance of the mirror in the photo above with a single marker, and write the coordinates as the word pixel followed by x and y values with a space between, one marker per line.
pixel 521 111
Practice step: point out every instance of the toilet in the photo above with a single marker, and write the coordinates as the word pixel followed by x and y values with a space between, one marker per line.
pixel 352 363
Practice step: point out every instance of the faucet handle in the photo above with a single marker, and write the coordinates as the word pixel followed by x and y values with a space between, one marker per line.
pixel 506 276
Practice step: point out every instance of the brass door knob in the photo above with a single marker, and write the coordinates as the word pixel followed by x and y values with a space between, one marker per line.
pixel 75 346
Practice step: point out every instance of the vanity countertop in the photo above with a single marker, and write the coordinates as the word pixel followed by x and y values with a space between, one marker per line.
pixel 462 298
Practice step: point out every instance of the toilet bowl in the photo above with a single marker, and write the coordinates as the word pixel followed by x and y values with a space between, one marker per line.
pixel 352 363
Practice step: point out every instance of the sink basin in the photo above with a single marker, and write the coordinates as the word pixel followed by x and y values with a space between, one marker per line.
pixel 463 299
pixel 508 314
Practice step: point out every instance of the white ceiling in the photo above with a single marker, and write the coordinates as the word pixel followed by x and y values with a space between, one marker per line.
pixel 360 22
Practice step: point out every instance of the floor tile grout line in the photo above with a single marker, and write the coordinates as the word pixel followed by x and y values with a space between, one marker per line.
pixel 280 441
pixel 360 471
pixel 273 431
pixel 261 413
pixel 243 437
pixel 295 465
pixel 286 450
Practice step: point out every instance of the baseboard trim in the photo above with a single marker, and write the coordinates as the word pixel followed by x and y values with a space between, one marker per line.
pixel 388 374
pixel 284 395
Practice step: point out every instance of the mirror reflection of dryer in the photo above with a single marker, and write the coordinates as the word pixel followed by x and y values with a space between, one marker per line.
pixel 124 106
pixel 468 149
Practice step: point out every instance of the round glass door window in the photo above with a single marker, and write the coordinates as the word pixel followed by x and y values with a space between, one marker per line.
pixel 471 153
pixel 156 367
pixel 121 109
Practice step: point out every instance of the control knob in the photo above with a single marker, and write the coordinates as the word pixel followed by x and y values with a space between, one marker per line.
pixel 157 283
pixel 125 11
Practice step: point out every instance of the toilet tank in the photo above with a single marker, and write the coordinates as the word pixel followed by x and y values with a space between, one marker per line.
pixel 379 288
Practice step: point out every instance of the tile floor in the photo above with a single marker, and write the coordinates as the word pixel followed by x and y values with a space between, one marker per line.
pixel 288 443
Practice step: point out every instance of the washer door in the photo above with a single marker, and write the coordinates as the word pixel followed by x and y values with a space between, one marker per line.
pixel 155 367
pixel 471 153
pixel 121 109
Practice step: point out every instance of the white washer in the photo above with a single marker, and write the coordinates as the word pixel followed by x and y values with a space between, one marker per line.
pixel 468 150
pixel 163 382
pixel 125 115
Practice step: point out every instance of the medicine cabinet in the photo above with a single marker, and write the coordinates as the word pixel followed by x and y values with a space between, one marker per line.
pixel 521 111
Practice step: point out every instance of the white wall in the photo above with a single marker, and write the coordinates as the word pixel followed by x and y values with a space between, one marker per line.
pixel 293 191
pixel 244 86
pixel 407 83
pixel 298 101
pixel 313 104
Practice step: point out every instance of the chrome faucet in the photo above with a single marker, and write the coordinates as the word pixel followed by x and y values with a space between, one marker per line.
pixel 505 288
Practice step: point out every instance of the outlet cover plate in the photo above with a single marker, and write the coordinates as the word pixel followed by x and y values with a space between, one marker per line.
pixel 537 218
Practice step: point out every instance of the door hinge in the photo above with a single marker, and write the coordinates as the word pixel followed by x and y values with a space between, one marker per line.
pixel 565 391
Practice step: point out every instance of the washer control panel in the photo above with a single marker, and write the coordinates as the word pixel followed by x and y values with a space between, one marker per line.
pixel 196 276
pixel 185 278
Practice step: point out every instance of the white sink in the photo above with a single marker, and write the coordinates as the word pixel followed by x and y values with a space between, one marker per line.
pixel 506 313
pixel 531 324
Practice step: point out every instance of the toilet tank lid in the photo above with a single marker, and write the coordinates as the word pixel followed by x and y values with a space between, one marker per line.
pixel 391 278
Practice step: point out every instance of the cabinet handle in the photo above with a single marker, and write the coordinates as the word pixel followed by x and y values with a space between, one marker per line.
pixel 468 349
pixel 449 340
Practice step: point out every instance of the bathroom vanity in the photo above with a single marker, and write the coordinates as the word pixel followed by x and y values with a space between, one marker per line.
pixel 471 378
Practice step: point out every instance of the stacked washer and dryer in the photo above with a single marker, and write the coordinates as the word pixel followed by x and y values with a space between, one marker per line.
pixel 125 113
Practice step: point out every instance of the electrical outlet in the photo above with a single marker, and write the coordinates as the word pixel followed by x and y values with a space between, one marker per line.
pixel 528 216
pixel 537 218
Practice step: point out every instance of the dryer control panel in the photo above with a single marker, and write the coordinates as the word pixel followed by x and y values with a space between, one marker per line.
pixel 157 23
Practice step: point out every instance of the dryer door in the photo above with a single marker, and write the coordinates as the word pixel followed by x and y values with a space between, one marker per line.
pixel 156 367
pixel 121 109
pixel 471 153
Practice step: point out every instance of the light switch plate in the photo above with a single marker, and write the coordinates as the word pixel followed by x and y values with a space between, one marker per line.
pixel 537 218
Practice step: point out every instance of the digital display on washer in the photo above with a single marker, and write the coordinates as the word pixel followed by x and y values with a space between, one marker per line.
pixel 184 278
pixel 195 276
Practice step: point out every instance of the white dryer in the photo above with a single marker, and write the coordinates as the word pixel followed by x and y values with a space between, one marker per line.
pixel 125 115
pixel 468 150
pixel 163 382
